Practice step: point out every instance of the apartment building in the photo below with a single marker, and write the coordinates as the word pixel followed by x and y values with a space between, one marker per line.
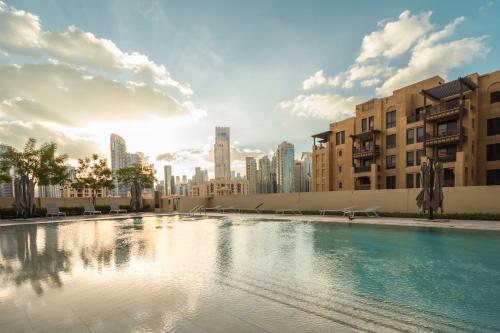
pixel 220 187
pixel 456 122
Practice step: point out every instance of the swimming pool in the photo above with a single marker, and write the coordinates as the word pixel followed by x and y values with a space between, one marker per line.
pixel 246 275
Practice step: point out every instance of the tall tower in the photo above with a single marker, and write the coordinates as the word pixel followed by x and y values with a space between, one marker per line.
pixel 251 168
pixel 118 149
pixel 222 157
pixel 265 175
pixel 285 156
pixel 167 169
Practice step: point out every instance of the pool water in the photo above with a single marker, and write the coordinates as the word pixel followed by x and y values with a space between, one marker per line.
pixel 174 274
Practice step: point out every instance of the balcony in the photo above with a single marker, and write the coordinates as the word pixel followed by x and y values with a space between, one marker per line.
pixel 366 152
pixel 414 118
pixel 445 137
pixel 364 168
pixel 444 110
pixel 447 158
pixel 362 186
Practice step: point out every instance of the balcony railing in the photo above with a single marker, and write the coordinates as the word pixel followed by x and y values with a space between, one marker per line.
pixel 448 183
pixel 414 118
pixel 364 168
pixel 370 151
pixel 447 158
pixel 448 109
pixel 362 186
pixel 443 137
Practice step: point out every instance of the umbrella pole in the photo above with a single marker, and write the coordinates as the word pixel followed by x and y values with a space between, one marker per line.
pixel 431 188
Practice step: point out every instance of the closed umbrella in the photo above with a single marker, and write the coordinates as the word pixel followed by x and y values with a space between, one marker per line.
pixel 437 196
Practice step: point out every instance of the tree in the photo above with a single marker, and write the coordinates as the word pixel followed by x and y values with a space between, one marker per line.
pixel 93 174
pixel 32 166
pixel 138 177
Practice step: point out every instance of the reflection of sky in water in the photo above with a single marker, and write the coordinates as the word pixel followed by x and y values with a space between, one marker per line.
pixel 164 273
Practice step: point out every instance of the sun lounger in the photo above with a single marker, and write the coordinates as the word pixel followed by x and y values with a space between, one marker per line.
pixel 292 210
pixel 114 208
pixel 369 211
pixel 323 212
pixel 53 210
pixel 213 209
pixel 255 209
pixel 90 209
pixel 195 210
pixel 224 209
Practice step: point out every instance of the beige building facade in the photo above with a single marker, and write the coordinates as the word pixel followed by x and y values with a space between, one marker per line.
pixel 456 122
pixel 220 187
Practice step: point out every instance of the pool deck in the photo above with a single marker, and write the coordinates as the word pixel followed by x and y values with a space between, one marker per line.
pixel 386 221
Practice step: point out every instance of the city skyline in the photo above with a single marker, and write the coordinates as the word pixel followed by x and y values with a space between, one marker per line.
pixel 292 79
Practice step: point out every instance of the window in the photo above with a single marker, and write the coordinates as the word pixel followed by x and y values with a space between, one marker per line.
pixel 447 128
pixel 493 177
pixel 340 152
pixel 495 97
pixel 493 152
pixel 409 180
pixel 410 161
pixel 410 136
pixel 340 168
pixel 367 162
pixel 420 154
pixel 390 182
pixel 391 162
pixel 417 183
pixel 340 184
pixel 337 138
pixel 420 134
pixel 448 153
pixel 391 119
pixel 391 141
pixel 371 122
pixel 493 126
pixel 342 135
pixel 363 125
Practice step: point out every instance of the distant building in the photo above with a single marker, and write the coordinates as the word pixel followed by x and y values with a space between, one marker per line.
pixel 285 165
pixel 118 149
pixel 273 175
pixel 220 187
pixel 6 188
pixel 50 191
pixel 251 171
pixel 136 158
pixel 222 157
pixel 160 187
pixel 307 172
pixel 167 174
pixel 200 175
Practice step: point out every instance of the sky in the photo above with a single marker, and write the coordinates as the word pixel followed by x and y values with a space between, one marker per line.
pixel 163 74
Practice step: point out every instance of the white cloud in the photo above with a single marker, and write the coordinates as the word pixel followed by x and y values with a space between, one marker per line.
pixel 22 33
pixel 318 79
pixel 327 106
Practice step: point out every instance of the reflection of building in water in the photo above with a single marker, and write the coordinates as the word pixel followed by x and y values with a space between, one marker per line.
pixel 224 248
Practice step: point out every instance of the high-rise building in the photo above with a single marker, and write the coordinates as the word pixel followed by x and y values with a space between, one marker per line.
pixel 118 149
pixel 167 172
pixel 274 174
pixel 297 176
pixel 251 170
pixel 6 188
pixel 285 156
pixel 222 157
pixel 382 147
pixel 200 175
pixel 264 175
pixel 50 191
pixel 306 160
pixel 138 158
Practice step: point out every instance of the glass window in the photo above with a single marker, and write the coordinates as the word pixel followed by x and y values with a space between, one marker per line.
pixel 410 136
pixel 371 122
pixel 340 152
pixel 493 177
pixel 340 184
pixel 337 138
pixel 391 141
pixel 391 119
pixel 495 97
pixel 390 182
pixel 420 134
pixel 417 182
pixel 391 162
pixel 363 125
pixel 420 154
pixel 493 152
pixel 342 135
pixel 409 180
pixel 447 152
pixel 494 126
pixel 447 128
pixel 410 161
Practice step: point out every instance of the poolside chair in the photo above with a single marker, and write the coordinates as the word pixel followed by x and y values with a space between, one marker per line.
pixel 369 211
pixel 292 210
pixel 214 208
pixel 194 210
pixel 90 209
pixel 53 210
pixel 224 209
pixel 114 208
pixel 323 212
pixel 255 209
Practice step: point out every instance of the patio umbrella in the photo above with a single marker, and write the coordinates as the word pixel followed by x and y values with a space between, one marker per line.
pixel 423 197
pixel 437 195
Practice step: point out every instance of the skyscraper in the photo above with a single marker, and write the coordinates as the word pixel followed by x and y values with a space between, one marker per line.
pixel 222 157
pixel 167 172
pixel 118 149
pixel 6 188
pixel 264 175
pixel 251 169
pixel 285 165
pixel 136 158
pixel 307 172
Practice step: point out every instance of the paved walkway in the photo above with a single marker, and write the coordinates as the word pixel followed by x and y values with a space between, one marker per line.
pixel 388 221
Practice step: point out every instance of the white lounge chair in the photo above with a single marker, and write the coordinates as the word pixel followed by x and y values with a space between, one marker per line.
pixel 53 210
pixel 213 209
pixel 224 209
pixel 114 208
pixel 90 209
pixel 292 210
pixel 255 209
pixel 323 212
pixel 369 211
pixel 194 210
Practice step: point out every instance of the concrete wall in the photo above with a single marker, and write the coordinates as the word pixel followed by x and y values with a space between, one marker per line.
pixel 471 199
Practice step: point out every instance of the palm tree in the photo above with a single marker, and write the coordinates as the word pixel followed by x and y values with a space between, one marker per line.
pixel 32 166
pixel 138 177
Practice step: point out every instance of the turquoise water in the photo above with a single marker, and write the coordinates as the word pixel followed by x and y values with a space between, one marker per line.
pixel 246 275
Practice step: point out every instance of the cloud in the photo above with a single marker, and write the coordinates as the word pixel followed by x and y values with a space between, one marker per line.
pixel 326 106
pixel 318 79
pixel 22 33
